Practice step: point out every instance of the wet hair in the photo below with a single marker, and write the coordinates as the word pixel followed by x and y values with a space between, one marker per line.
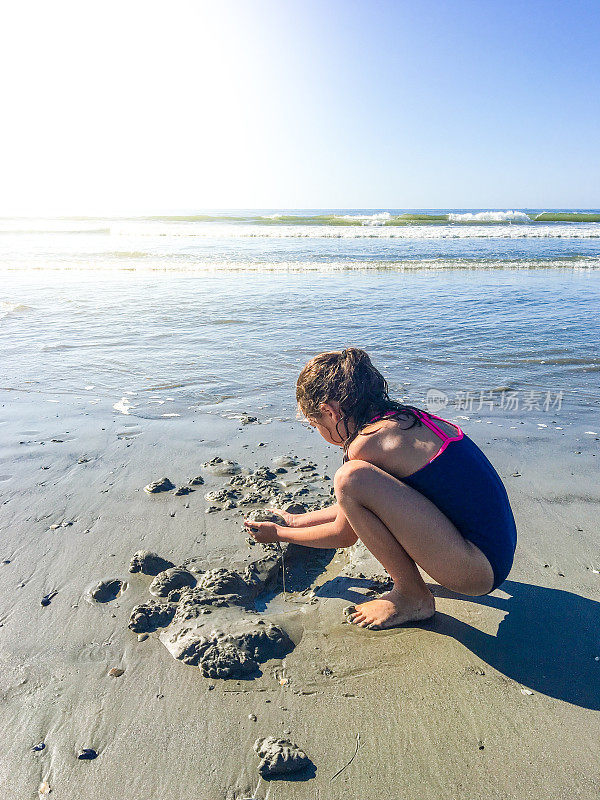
pixel 350 378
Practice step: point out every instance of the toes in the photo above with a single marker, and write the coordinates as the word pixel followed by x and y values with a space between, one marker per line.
pixel 361 621
pixel 349 610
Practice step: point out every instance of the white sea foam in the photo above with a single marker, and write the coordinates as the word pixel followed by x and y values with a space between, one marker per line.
pixel 368 219
pixel 491 216
pixel 124 405
pixel 521 227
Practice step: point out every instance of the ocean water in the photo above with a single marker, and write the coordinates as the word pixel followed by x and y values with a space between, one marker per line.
pixel 479 312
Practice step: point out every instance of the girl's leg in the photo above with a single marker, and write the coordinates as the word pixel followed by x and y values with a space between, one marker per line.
pixel 403 528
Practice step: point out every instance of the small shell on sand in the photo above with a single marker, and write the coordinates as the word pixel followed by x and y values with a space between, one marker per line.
pixel 87 754
pixel 44 789
pixel 116 672
pixel 45 601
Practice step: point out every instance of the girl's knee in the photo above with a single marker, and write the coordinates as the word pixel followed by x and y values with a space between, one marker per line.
pixel 347 540
pixel 350 478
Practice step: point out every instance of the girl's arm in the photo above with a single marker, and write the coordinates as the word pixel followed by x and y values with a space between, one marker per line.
pixel 310 518
pixel 335 533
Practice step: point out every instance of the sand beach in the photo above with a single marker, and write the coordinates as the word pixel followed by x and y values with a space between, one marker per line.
pixel 496 697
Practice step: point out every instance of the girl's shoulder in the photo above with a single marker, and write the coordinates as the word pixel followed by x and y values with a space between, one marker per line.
pixel 376 440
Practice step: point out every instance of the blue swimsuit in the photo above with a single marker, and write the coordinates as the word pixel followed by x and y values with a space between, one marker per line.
pixel 466 488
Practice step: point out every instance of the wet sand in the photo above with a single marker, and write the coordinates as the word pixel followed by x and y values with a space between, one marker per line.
pixel 496 697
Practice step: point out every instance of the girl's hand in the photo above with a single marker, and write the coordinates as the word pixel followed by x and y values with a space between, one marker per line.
pixel 287 518
pixel 264 532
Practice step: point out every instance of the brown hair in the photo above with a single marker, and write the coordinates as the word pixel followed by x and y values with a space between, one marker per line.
pixel 350 378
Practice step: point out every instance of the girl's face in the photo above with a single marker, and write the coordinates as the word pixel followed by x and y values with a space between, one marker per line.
pixel 326 423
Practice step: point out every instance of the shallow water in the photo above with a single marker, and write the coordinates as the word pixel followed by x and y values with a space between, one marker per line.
pixel 156 317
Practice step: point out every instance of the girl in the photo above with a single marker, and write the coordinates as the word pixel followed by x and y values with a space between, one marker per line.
pixel 413 488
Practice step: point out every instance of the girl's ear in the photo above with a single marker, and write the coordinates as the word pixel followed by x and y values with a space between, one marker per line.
pixel 331 409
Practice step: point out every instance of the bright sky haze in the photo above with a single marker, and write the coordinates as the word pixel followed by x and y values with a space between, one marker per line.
pixel 153 107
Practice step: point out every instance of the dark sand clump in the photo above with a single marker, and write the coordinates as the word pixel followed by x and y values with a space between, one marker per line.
pixel 108 590
pixel 170 580
pixel 208 616
pixel 149 563
pixel 222 466
pixel 149 616
pixel 233 640
pixel 234 651
pixel 260 515
pixel 162 485
pixel 279 756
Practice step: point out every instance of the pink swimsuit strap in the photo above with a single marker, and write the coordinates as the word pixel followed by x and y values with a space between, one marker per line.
pixel 426 419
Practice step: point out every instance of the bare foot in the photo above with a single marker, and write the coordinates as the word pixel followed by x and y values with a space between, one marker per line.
pixel 391 609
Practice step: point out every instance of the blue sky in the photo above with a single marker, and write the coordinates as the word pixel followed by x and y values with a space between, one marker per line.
pixel 146 106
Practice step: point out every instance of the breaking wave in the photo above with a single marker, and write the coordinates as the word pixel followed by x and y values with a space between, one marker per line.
pixel 194 223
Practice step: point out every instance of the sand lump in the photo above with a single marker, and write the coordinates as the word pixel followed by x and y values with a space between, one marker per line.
pixel 222 466
pixel 265 486
pixel 162 485
pixel 234 644
pixel 169 580
pixel 279 756
pixel 148 563
pixel 108 590
pixel 206 611
pixel 232 651
pixel 260 515
pixel 147 617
